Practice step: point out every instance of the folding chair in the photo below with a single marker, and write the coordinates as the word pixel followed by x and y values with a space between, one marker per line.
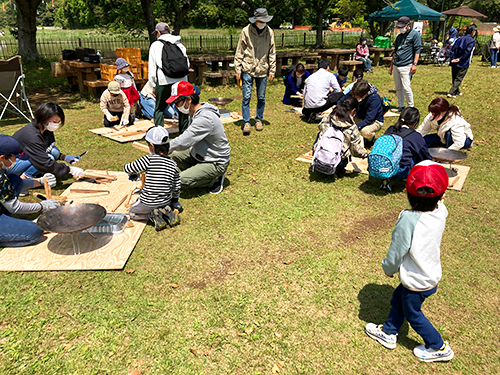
pixel 12 88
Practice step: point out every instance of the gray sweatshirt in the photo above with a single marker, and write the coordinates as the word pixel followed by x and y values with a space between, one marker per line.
pixel 205 137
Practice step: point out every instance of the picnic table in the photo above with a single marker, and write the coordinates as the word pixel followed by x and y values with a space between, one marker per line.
pixel 199 64
pixel 377 51
pixel 84 71
pixel 283 60
pixel 336 55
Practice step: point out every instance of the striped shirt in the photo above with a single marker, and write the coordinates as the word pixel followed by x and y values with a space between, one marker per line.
pixel 162 179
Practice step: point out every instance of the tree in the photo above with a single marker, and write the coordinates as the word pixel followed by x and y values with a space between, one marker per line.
pixel 320 7
pixel 26 23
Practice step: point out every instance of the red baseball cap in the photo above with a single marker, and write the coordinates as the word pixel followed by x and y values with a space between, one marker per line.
pixel 427 174
pixel 181 88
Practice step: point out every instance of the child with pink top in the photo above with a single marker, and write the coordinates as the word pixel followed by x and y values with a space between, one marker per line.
pixel 363 54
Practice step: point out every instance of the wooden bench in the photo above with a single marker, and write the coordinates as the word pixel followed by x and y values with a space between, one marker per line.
pixel 95 86
pixel 387 60
pixel 222 76
pixel 351 64
pixel 306 66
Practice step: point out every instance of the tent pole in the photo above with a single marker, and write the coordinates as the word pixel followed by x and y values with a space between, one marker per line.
pixel 444 29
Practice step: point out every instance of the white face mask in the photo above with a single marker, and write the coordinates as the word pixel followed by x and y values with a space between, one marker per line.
pixel 183 109
pixel 4 167
pixel 260 25
pixel 52 126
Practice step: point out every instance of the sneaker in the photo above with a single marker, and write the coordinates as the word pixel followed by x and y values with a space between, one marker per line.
pixel 376 333
pixel 451 96
pixel 386 185
pixel 157 218
pixel 430 355
pixel 397 110
pixel 218 185
pixel 170 217
pixel 492 66
pixel 247 128
pixel 312 118
pixel 369 71
pixel 258 125
pixel 460 93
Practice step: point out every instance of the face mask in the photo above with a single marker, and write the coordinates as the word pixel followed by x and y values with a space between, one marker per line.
pixel 52 126
pixel 125 70
pixel 183 109
pixel 4 167
pixel 363 43
pixel 260 25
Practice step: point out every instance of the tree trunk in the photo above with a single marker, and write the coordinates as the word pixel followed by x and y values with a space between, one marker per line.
pixel 180 14
pixel 26 23
pixel 320 13
pixel 149 18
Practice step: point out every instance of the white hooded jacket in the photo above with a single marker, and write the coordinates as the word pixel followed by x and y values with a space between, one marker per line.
pixel 155 73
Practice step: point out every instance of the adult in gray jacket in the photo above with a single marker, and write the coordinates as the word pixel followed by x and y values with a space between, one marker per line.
pixel 202 152
pixel 255 59
pixel 161 83
pixel 404 61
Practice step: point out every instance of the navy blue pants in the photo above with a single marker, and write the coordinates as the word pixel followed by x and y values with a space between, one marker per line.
pixel 433 140
pixel 408 304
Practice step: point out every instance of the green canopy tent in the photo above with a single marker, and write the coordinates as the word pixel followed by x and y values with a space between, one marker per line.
pixel 409 8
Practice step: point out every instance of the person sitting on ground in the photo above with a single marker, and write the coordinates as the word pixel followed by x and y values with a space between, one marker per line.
pixel 126 80
pixel 370 114
pixel 453 132
pixel 363 54
pixel 115 106
pixel 295 83
pixel 161 191
pixel 414 253
pixel 321 91
pixel 356 76
pixel 16 232
pixel 148 102
pixel 414 147
pixel 202 152
pixel 40 154
pixel 342 118
pixel 341 76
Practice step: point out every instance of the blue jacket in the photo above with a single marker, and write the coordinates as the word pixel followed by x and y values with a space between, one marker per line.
pixel 414 148
pixel 291 86
pixel 463 49
pixel 370 109
pixel 340 81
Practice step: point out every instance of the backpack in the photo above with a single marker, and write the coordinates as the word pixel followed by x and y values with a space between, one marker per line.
pixel 328 153
pixel 386 104
pixel 383 161
pixel 288 70
pixel 174 62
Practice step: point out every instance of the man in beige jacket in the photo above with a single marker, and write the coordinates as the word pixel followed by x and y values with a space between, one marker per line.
pixel 255 58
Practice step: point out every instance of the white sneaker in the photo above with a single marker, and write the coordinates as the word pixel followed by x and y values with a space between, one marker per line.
pixel 376 333
pixel 451 96
pixel 430 355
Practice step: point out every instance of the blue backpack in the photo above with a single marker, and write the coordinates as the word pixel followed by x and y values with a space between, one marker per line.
pixel 383 161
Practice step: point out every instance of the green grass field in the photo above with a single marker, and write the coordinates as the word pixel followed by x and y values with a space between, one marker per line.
pixel 282 268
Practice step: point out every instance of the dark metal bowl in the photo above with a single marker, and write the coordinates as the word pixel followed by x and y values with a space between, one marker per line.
pixel 71 218
pixel 220 101
pixel 446 155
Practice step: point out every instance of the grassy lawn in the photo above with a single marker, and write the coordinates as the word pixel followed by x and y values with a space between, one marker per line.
pixel 282 268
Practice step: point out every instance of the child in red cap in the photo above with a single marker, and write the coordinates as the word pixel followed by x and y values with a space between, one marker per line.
pixel 415 253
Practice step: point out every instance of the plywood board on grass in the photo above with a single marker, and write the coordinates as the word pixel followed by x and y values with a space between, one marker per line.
pixel 133 132
pixel 359 165
pixel 102 252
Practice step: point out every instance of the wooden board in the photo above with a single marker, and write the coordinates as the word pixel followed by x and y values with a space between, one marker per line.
pixel 230 119
pixel 133 132
pixel 104 252
pixel 391 114
pixel 359 165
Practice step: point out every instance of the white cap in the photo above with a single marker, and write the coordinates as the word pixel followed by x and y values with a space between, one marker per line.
pixel 157 136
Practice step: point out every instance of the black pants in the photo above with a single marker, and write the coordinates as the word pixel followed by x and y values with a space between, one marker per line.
pixel 117 122
pixel 457 76
pixel 162 93
pixel 331 100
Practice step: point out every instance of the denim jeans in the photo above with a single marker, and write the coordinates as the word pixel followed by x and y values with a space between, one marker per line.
pixel 367 63
pixel 433 140
pixel 408 304
pixel 25 166
pixel 494 56
pixel 261 84
pixel 17 232
pixel 402 81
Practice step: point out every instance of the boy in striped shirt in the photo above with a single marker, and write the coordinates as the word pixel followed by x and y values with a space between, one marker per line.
pixel 160 195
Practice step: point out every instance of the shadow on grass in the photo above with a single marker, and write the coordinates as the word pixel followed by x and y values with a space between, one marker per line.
pixel 444 93
pixel 187 193
pixel 372 187
pixel 374 307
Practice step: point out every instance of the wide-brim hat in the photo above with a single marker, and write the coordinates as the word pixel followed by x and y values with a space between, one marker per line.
pixel 403 21
pixel 121 63
pixel 261 15
pixel 496 29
